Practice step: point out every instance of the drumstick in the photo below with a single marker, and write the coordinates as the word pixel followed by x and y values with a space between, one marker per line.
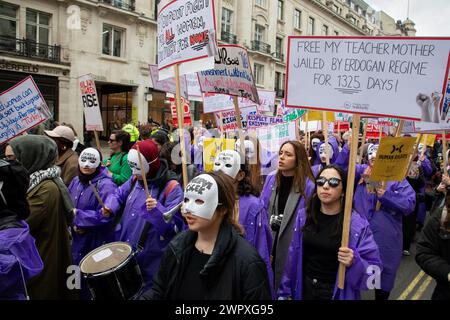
pixel 97 195
pixel 142 175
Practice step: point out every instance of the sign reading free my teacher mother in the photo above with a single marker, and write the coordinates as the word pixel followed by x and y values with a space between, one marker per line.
pixel 367 75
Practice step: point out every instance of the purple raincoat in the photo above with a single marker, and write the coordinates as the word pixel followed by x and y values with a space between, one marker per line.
pixel 135 215
pixel 386 224
pixel 17 248
pixel 365 253
pixel 284 238
pixel 98 229
pixel 255 220
pixel 335 146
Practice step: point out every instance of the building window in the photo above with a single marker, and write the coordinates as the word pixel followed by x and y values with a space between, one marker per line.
pixel 353 20
pixel 8 21
pixel 297 19
pixel 259 73
pixel 261 3
pixel 279 48
pixel 324 30
pixel 112 41
pixel 38 27
pixel 336 9
pixel 260 33
pixel 336 33
pixel 277 81
pixel 280 9
pixel 227 22
pixel 310 26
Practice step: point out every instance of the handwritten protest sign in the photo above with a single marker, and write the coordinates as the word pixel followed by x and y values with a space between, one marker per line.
pixel 22 107
pixel 232 74
pixel 258 121
pixel 217 102
pixel 186 112
pixel 186 32
pixel 229 122
pixel 211 147
pixel 293 114
pixel 367 75
pixel 193 87
pixel 266 101
pixel 272 137
pixel 392 159
pixel 167 85
pixel 90 102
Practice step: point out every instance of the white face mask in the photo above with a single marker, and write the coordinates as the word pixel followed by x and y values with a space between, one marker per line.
pixel 314 143
pixel 421 148
pixel 89 159
pixel 229 162
pixel 133 162
pixel 372 152
pixel 323 152
pixel 249 147
pixel 201 197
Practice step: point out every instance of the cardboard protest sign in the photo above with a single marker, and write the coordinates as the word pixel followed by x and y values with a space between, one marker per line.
pixel 22 107
pixel 193 87
pixel 318 116
pixel 229 122
pixel 186 33
pixel 392 159
pixel 211 147
pixel 374 131
pixel 428 139
pixel 91 104
pixel 167 85
pixel 385 76
pixel 186 110
pixel 232 74
pixel 293 114
pixel 258 121
pixel 217 102
pixel 272 137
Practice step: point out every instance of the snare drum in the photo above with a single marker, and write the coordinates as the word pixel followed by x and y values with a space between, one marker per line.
pixel 112 272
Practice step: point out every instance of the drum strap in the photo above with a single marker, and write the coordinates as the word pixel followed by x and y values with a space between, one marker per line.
pixel 143 238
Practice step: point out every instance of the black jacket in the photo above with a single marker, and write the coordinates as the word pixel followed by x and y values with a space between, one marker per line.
pixel 433 256
pixel 235 271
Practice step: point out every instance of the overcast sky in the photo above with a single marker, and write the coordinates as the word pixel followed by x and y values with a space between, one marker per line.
pixel 432 17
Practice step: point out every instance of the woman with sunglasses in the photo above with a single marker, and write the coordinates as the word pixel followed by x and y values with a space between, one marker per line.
pixel 397 199
pixel 284 196
pixel 315 251
pixel 119 142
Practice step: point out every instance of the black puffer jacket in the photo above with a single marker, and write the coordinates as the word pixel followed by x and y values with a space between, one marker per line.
pixel 433 256
pixel 235 271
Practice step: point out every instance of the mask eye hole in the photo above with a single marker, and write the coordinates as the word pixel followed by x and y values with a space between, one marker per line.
pixel 228 165
pixel 217 164
pixel 186 200
pixel 199 201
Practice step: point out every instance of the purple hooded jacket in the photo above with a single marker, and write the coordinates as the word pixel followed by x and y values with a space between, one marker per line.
pixel 131 198
pixel 427 171
pixel 269 186
pixel 17 248
pixel 386 224
pixel 335 146
pixel 255 220
pixel 365 262
pixel 97 228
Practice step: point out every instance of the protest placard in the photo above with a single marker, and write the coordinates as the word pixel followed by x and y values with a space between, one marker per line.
pixel 392 159
pixel 232 74
pixel 211 147
pixel 193 87
pixel 167 85
pixel 266 101
pixel 213 102
pixel 258 121
pixel 22 107
pixel 387 76
pixel 272 137
pixel 318 116
pixel 229 122
pixel 186 112
pixel 293 114
pixel 428 139
pixel 90 102
pixel 186 33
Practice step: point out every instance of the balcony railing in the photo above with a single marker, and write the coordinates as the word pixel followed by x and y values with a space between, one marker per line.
pixel 279 93
pixel 228 37
pixel 261 46
pixel 279 56
pixel 129 5
pixel 30 49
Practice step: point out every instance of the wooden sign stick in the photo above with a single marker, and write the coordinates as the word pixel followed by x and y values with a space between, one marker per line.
pixel 97 140
pixel 361 151
pixel 413 156
pixel 349 195
pixel 96 194
pixel 306 132
pixel 143 174
pixel 325 135
pixel 180 118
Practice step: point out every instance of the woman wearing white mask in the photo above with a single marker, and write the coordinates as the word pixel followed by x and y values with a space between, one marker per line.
pixel 210 261
pixel 250 211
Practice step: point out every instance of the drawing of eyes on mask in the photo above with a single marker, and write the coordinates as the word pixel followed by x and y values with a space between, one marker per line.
pixel 201 197
pixel 323 152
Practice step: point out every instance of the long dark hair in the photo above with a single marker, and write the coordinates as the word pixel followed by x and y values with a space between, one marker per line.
pixel 445 224
pixel 246 186
pixel 227 198
pixel 303 167
pixel 314 204
pixel 124 137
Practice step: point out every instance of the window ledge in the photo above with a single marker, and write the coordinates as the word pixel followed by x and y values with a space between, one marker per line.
pixel 261 86
pixel 258 6
pixel 112 58
pixel 283 22
pixel 298 29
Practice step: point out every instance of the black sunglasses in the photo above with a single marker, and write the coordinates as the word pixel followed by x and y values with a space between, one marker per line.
pixel 332 182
